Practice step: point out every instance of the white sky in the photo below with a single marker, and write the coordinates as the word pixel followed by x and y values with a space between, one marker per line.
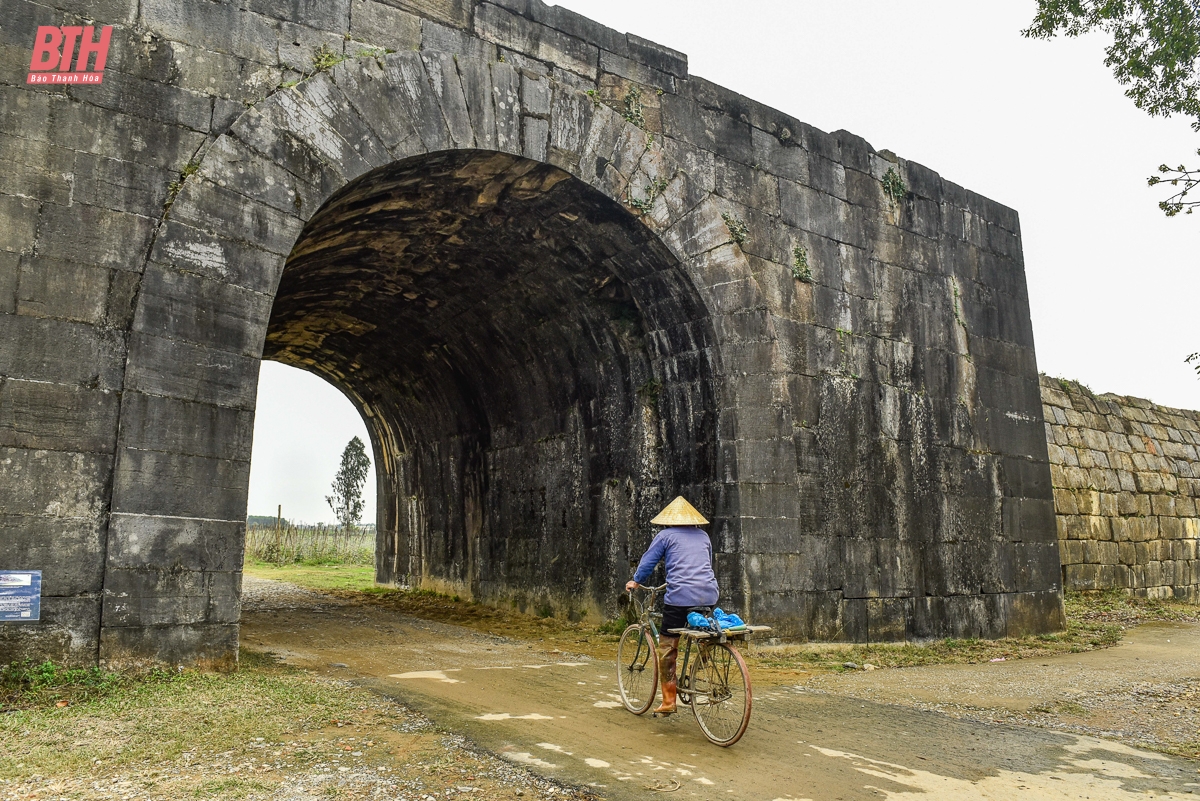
pixel 1039 126
pixel 301 428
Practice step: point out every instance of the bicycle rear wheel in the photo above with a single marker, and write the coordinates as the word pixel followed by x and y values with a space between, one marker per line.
pixel 721 695
pixel 637 668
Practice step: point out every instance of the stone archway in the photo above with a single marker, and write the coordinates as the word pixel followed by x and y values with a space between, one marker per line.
pixel 636 407
pixel 534 367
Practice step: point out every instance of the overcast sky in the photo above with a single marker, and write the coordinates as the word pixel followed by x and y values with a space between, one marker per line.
pixel 1039 126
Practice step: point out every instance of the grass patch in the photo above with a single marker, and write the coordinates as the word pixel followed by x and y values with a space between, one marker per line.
pixel 360 578
pixel 264 731
pixel 25 685
pixel 582 637
pixel 1094 621
pixel 118 720
pixel 1116 607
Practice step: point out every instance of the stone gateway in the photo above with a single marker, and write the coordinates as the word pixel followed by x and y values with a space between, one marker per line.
pixel 562 280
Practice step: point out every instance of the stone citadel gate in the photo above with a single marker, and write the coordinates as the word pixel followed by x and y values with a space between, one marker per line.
pixel 561 279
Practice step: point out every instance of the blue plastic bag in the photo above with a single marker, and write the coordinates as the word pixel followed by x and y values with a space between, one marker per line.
pixel 696 620
pixel 726 620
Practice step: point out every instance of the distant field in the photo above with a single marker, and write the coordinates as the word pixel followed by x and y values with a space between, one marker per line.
pixel 309 545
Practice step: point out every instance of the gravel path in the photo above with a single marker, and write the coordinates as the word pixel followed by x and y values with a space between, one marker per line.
pixel 1144 692
pixel 936 731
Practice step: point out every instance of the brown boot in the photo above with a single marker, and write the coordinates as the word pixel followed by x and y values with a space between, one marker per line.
pixel 669 647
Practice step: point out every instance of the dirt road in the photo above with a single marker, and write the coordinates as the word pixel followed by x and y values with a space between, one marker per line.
pixel 559 713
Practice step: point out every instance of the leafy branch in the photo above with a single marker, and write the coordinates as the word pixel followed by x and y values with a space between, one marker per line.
pixel 1155 52
pixel 1177 177
pixel 801 269
pixel 1156 44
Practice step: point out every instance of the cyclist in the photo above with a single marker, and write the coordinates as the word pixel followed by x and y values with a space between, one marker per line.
pixel 687 552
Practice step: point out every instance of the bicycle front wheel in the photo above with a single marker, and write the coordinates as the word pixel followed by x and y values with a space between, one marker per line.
pixel 721 696
pixel 637 668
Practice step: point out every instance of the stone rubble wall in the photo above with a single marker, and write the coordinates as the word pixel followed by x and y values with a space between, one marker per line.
pixel 1126 476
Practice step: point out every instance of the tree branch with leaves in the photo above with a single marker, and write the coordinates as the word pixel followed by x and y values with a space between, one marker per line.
pixel 1184 180
pixel 1155 52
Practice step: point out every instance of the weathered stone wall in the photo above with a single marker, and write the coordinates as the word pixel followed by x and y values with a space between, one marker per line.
pixel 1126 478
pixel 667 287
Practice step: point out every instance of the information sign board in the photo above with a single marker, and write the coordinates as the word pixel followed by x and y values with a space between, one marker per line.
pixel 20 596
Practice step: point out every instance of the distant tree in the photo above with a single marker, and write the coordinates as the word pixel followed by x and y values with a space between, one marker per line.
pixel 1155 51
pixel 346 500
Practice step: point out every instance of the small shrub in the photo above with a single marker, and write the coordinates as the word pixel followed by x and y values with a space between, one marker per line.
pixel 738 230
pixel 633 107
pixel 653 190
pixel 801 270
pixel 893 186
pixel 325 58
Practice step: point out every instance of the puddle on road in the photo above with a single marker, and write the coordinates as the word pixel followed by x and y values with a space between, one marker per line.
pixel 1075 778
pixel 436 675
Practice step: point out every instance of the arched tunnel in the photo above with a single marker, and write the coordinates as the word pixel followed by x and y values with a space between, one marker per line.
pixel 535 368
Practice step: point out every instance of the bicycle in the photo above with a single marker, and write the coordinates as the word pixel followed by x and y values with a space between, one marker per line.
pixel 714 682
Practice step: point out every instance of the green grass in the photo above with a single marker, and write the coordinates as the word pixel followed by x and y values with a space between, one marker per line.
pixel 123 719
pixel 27 683
pixel 262 731
pixel 317 577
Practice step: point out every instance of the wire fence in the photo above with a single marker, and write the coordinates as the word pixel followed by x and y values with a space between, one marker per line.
pixel 310 545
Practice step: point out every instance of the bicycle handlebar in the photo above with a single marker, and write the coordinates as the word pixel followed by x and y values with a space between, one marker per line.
pixel 654 589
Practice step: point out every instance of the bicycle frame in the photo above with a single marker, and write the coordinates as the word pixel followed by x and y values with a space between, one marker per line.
pixel 645 616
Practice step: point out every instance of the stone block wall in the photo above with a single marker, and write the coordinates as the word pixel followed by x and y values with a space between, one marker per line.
pixel 848 373
pixel 1126 476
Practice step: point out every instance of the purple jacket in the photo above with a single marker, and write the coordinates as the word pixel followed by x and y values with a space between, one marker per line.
pixel 688 554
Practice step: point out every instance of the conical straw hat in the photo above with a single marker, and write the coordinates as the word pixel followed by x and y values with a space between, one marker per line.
pixel 679 513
